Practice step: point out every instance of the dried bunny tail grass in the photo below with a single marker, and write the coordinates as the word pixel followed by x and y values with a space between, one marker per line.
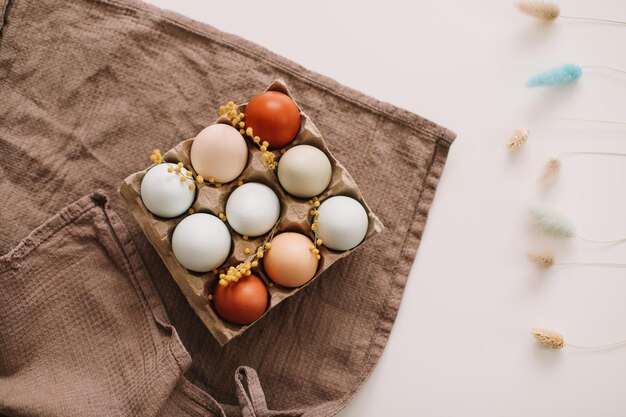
pixel 549 338
pixel 518 139
pixel 550 171
pixel 561 75
pixel 542 260
pixel 554 340
pixel 553 222
pixel 539 9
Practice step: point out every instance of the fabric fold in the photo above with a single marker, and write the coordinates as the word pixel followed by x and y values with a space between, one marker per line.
pixel 81 330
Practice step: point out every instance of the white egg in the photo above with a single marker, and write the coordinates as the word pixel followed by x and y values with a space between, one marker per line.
pixel 304 171
pixel 163 194
pixel 342 223
pixel 252 209
pixel 201 242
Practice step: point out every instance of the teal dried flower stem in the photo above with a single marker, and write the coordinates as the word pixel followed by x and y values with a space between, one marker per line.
pixel 564 74
pixel 556 223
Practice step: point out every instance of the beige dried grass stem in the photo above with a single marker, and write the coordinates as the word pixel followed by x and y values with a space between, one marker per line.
pixel 555 340
pixel 546 260
pixel 549 11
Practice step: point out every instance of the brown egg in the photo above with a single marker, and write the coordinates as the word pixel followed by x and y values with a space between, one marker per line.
pixel 290 262
pixel 273 117
pixel 241 302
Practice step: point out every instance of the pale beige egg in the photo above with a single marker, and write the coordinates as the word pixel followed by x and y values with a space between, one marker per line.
pixel 290 262
pixel 219 152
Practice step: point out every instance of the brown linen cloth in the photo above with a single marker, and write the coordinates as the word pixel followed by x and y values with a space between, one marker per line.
pixel 88 89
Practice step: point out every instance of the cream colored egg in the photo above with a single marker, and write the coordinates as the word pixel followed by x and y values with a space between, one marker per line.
pixel 164 194
pixel 252 209
pixel 219 152
pixel 201 242
pixel 342 223
pixel 304 171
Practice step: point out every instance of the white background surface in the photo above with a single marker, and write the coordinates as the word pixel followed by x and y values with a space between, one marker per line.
pixel 461 344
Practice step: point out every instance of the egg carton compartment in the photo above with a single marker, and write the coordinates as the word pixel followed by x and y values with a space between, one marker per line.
pixel 294 217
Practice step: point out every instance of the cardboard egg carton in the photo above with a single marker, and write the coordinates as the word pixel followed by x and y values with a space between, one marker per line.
pixel 295 217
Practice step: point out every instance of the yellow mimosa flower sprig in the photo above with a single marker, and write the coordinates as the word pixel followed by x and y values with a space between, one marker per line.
pixel 156 158
pixel 243 269
pixel 314 203
pixel 231 111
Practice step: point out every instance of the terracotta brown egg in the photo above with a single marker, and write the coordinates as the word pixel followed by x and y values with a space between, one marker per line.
pixel 241 302
pixel 273 117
